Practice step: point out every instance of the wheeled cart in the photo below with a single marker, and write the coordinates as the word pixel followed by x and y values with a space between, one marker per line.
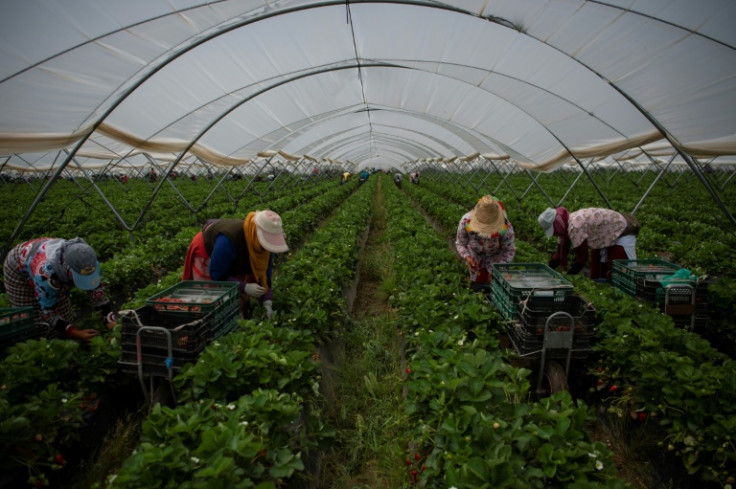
pixel 172 329
pixel 155 347
pixel 656 282
pixel 556 342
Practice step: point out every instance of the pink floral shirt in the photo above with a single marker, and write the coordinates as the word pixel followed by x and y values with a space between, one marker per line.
pixel 485 251
pixel 600 227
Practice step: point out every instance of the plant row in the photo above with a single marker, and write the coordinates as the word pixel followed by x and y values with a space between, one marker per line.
pixel 56 385
pixel 676 230
pixel 648 365
pixel 249 408
pixel 472 420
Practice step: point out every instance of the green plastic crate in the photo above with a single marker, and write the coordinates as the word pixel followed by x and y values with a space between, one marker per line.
pixel 641 278
pixel 649 268
pixel 520 279
pixel 197 298
pixel 513 282
pixel 15 321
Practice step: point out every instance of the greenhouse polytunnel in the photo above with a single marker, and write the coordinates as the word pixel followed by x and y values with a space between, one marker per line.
pixel 374 359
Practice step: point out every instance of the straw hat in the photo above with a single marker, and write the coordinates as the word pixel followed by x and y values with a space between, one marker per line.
pixel 487 217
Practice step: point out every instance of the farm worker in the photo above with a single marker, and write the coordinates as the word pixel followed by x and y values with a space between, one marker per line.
pixel 485 236
pixel 239 250
pixel 363 176
pixel 397 179
pixel 41 273
pixel 345 177
pixel 609 235
pixel 415 178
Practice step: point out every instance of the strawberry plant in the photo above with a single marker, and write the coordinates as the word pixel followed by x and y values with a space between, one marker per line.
pixel 247 443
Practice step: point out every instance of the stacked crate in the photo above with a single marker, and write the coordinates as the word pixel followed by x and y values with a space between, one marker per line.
pixel 685 299
pixel 193 313
pixel 529 295
pixel 528 333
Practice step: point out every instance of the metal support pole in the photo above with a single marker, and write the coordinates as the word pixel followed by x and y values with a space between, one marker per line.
pixel 651 186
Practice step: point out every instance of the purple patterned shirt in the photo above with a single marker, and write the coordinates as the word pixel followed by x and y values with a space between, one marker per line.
pixel 485 251
pixel 600 227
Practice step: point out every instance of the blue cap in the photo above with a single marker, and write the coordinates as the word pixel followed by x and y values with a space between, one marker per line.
pixel 83 263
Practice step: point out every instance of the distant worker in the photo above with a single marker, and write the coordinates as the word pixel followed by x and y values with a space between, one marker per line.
pixel 345 177
pixel 484 237
pixel 604 234
pixel 363 176
pixel 41 273
pixel 239 250
pixel 415 178
pixel 397 179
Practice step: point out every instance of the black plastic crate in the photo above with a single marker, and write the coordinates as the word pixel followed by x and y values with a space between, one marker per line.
pixel 187 334
pixel 155 365
pixel 534 315
pixel 224 321
pixel 692 291
pixel 697 322
pixel 531 344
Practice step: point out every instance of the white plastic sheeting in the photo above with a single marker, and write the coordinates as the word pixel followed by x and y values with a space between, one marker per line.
pixel 359 81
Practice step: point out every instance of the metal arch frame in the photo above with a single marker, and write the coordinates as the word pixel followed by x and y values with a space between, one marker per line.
pixel 310 149
pixel 173 54
pixel 344 149
pixel 421 4
pixel 337 144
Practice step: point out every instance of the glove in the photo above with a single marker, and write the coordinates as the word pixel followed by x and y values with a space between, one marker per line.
pixel 111 320
pixel 254 290
pixel 575 268
pixel 553 263
pixel 268 305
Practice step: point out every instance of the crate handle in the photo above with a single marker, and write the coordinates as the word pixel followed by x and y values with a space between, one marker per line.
pixel 133 312
pixel 128 312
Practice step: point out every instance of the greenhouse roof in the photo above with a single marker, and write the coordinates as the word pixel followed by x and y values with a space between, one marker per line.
pixel 373 83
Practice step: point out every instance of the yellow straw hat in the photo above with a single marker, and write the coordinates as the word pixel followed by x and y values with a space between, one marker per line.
pixel 488 217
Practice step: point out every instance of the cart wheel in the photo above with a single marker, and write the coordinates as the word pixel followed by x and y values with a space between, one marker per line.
pixel 162 393
pixel 555 379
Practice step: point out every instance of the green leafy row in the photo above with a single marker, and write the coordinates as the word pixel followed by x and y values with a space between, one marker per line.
pixel 473 423
pixel 215 438
pixel 675 377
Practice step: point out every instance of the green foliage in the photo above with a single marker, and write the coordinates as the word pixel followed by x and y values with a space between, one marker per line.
pixel 473 424
pixel 48 388
pixel 252 442
pixel 258 355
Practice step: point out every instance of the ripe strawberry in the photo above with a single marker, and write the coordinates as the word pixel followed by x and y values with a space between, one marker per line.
pixel 642 416
pixel 613 388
